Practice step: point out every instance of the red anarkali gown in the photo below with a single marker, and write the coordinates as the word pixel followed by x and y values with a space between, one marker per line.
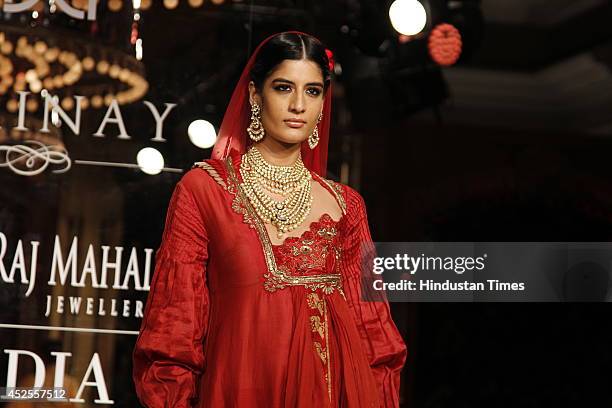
pixel 234 321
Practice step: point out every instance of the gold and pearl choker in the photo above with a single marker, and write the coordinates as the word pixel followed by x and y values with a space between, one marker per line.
pixel 261 178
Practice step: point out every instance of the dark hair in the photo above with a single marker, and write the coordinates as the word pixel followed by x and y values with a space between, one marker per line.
pixel 289 46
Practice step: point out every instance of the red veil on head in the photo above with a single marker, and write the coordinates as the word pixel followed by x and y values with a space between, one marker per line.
pixel 233 135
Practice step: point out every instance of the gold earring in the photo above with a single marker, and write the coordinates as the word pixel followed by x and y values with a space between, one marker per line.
pixel 255 129
pixel 313 138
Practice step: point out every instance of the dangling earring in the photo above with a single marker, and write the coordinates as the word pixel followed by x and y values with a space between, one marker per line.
pixel 313 139
pixel 255 129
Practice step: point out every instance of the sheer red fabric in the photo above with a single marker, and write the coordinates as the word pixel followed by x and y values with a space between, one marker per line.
pixel 234 321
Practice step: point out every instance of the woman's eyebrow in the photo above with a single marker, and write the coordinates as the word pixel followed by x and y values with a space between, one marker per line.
pixel 283 80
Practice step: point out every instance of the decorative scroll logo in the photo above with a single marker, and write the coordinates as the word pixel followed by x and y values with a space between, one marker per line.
pixel 27 161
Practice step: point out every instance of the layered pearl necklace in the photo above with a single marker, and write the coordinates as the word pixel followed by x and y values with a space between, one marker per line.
pixel 259 178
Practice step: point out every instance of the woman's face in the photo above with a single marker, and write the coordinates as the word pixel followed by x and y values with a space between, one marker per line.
pixel 291 100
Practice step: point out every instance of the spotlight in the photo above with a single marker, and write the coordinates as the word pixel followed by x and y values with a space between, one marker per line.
pixel 150 160
pixel 408 17
pixel 171 4
pixel 202 133
pixel 139 49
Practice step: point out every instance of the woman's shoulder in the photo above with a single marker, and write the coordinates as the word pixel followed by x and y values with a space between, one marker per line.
pixel 354 200
pixel 351 198
pixel 208 172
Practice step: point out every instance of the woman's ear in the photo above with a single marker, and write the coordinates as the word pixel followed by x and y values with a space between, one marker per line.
pixel 253 95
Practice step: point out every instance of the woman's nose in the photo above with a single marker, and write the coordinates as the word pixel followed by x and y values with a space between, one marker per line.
pixel 297 103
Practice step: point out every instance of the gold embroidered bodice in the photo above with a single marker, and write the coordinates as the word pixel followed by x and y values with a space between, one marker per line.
pixel 316 251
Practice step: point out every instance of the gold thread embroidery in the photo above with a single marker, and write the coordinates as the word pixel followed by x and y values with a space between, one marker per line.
pixel 238 207
pixel 317 326
pixel 320 351
pixel 322 328
pixel 329 232
pixel 305 249
pixel 309 257
pixel 212 171
pixel 314 302
pixel 276 278
pixel 328 378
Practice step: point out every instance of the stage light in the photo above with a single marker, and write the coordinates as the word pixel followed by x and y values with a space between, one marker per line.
pixel 150 160
pixel 114 70
pixel 97 101
pixel 103 67
pixel 12 105
pixel 40 47
pixel 31 105
pixel 408 17
pixel 35 86
pixel 115 5
pixel 67 103
pixel 139 49
pixel 202 133
pixel 170 4
pixel 30 75
pixel 108 99
pixel 445 44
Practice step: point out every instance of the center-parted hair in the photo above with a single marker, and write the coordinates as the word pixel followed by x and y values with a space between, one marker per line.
pixel 289 46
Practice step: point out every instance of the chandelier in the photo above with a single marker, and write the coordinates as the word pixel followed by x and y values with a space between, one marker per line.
pixel 33 60
pixel 119 5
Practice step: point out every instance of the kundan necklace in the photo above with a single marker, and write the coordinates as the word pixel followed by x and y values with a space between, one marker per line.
pixel 259 178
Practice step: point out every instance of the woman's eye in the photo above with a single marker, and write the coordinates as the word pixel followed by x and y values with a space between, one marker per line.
pixel 282 87
pixel 314 91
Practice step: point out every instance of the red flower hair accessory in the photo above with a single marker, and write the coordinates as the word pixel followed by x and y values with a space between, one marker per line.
pixel 330 58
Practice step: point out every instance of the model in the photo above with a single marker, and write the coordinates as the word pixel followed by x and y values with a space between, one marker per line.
pixel 256 295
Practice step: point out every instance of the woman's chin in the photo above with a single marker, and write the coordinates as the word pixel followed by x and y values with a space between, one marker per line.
pixel 288 140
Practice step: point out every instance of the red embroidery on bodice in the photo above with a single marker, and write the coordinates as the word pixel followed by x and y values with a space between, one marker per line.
pixel 316 251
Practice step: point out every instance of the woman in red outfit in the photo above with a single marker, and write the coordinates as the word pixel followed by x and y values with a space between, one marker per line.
pixel 256 299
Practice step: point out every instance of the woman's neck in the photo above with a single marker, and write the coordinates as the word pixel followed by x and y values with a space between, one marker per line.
pixel 279 154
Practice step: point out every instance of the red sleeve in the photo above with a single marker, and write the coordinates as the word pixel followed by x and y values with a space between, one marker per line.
pixel 168 357
pixel 382 341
